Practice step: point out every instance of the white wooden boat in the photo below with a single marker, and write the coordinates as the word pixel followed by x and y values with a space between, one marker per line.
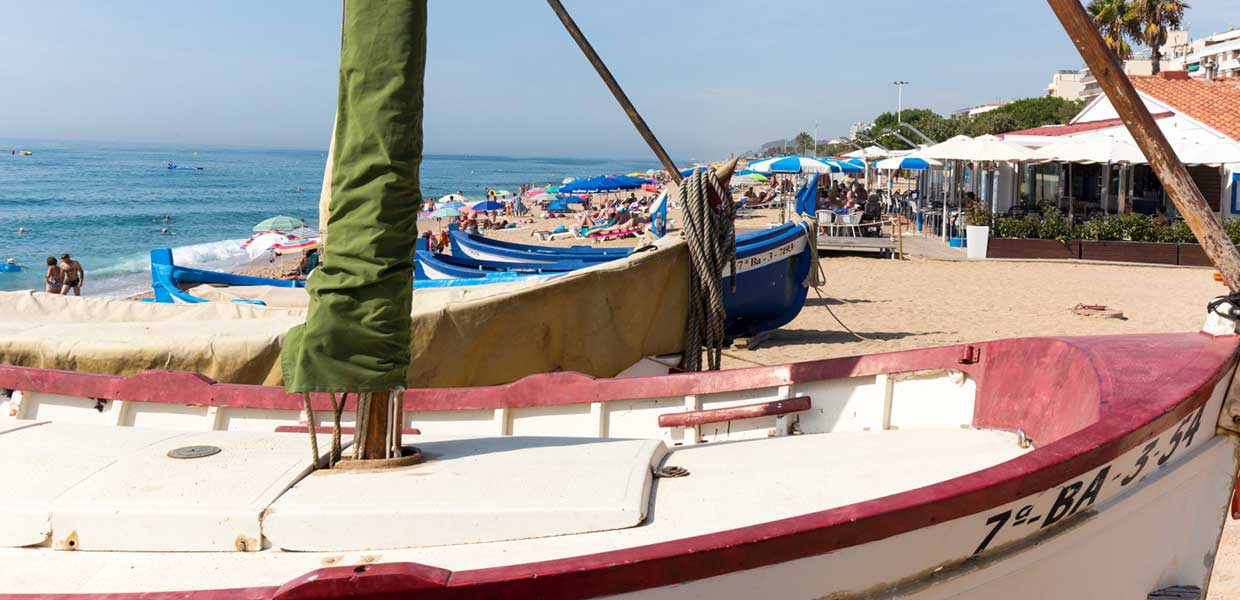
pixel 1030 468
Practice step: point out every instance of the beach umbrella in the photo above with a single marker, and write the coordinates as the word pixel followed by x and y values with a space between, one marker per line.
pixel 452 205
pixel 575 200
pixel 844 167
pixel 305 232
pixel 450 198
pixel 279 223
pixel 568 180
pixel 544 197
pixel 486 205
pixel 450 212
pixel 558 206
pixel 600 184
pixel 688 172
pixel 793 164
pixel 907 163
pixel 750 179
pixel 502 193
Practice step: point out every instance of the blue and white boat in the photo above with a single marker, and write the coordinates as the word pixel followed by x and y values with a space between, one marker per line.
pixel 168 280
pixel 771 270
pixel 772 267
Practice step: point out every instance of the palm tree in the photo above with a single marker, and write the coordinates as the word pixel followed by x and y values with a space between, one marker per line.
pixel 1150 20
pixel 1114 21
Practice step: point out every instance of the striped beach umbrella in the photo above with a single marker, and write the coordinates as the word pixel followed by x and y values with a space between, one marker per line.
pixel 907 163
pixel 793 164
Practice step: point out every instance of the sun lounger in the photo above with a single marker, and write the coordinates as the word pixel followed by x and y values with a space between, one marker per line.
pixel 615 235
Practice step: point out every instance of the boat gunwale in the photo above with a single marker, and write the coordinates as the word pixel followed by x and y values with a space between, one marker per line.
pixel 1124 422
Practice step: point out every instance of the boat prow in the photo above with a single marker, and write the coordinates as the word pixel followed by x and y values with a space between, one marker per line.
pixel 1029 468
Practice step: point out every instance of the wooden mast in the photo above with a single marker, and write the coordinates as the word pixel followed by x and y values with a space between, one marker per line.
pixel 1167 166
pixel 616 91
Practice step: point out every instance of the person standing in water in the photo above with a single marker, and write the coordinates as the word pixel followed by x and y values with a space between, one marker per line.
pixel 54 278
pixel 73 274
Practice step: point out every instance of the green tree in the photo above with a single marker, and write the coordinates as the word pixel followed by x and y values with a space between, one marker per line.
pixel 1150 20
pixel 1114 20
pixel 803 142
pixel 934 125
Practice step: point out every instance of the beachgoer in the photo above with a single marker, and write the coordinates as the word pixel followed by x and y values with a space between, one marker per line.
pixel 72 274
pixel 12 262
pixel 21 231
pixel 444 241
pixel 165 231
pixel 53 277
pixel 167 219
pixel 1160 215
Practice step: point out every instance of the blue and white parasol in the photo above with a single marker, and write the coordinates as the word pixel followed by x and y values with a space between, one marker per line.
pixel 907 163
pixel 793 164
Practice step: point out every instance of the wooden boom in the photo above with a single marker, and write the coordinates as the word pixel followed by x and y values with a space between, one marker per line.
pixel 615 88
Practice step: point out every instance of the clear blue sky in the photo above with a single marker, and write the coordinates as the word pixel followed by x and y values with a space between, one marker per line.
pixel 711 77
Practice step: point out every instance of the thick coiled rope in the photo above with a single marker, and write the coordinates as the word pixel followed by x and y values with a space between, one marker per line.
pixel 710 233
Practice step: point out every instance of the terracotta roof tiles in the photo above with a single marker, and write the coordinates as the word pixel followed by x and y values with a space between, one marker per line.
pixel 1215 104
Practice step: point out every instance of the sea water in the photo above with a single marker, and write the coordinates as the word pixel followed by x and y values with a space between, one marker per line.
pixel 104 203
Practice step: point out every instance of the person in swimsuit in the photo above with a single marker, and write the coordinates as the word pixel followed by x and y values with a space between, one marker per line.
pixel 54 278
pixel 73 275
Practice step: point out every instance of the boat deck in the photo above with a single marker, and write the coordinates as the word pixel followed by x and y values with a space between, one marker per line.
pixel 760 481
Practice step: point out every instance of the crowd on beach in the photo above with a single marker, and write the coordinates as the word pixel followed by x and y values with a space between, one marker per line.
pixel 599 216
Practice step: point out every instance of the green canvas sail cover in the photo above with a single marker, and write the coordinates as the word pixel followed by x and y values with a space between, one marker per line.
pixel 356 337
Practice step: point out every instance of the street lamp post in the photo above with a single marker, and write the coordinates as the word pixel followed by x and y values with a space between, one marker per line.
pixel 900 100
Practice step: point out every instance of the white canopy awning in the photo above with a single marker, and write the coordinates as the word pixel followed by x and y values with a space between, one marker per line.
pixel 1106 149
pixel 1118 147
pixel 981 148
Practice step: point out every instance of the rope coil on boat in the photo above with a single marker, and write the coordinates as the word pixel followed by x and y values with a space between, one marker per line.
pixel 670 472
pixel 710 233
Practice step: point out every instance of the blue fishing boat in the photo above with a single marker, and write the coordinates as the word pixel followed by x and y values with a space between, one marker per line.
pixel 169 280
pixel 476 247
pixel 772 267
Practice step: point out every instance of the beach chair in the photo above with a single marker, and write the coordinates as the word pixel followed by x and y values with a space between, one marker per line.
pixel 826 222
pixel 849 223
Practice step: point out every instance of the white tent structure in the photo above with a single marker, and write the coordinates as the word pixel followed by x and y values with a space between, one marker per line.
pixel 983 148
pixel 1099 149
pixel 869 153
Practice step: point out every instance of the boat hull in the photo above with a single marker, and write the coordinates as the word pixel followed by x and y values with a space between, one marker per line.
pixel 767 292
pixel 1125 492
pixel 771 281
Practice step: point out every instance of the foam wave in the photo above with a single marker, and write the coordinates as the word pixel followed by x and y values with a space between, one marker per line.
pixel 193 255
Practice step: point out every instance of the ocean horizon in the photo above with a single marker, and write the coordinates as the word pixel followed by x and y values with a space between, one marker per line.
pixel 103 202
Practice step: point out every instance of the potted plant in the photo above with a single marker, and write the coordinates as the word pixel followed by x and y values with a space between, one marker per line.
pixel 977 231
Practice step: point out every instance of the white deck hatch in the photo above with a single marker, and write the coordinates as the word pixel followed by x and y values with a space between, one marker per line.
pixel 90 487
pixel 471 490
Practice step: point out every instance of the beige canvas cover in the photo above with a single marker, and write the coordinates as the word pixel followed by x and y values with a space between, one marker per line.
pixel 598 321
pixel 226 342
